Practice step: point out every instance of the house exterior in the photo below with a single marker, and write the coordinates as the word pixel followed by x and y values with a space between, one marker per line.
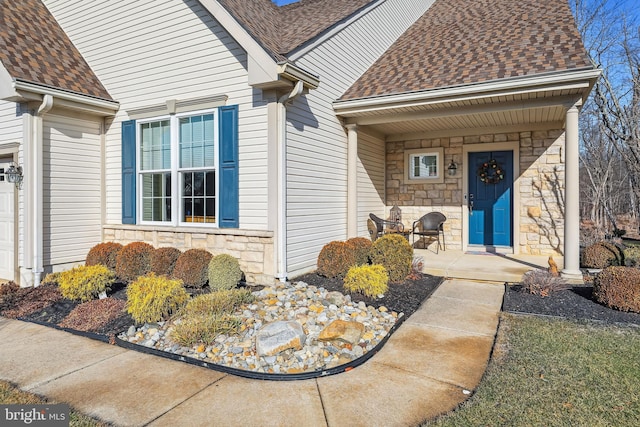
pixel 266 132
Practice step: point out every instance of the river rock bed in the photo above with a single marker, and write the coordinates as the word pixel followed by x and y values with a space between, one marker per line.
pixel 313 308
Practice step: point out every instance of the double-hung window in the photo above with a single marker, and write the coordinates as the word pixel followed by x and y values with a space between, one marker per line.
pixel 177 169
pixel 182 169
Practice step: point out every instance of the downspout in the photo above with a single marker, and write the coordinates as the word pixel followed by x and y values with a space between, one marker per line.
pixel 282 178
pixel 37 185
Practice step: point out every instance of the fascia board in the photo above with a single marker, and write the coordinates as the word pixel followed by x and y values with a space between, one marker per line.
pixel 261 65
pixel 581 79
pixel 71 100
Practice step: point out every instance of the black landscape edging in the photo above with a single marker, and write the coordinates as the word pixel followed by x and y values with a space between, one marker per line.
pixel 262 375
pixel 85 334
pixel 235 371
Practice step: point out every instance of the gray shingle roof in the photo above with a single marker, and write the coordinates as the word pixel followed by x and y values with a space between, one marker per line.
pixel 34 48
pixel 460 42
pixel 282 29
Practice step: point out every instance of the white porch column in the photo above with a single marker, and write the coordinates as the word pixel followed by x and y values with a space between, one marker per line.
pixel 352 181
pixel 571 198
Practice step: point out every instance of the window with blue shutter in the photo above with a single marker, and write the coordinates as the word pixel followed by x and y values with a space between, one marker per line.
pixel 129 172
pixel 228 164
pixel 188 175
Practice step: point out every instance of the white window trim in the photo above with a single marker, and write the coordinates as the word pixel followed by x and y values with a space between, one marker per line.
pixel 176 196
pixel 438 179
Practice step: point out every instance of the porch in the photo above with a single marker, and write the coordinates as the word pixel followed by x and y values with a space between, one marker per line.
pixel 481 265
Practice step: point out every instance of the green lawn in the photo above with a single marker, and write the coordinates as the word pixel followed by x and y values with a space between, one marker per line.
pixel 549 372
pixel 9 394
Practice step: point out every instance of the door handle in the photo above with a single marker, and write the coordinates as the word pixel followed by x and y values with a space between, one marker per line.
pixel 471 203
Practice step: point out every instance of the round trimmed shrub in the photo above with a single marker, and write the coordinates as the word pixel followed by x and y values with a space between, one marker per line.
pixel 163 261
pixel 360 247
pixel 602 255
pixel 153 298
pixel 632 256
pixel 192 267
pixel 395 253
pixel 224 272
pixel 105 254
pixel 335 259
pixel 618 288
pixel 85 283
pixel 134 260
pixel 370 280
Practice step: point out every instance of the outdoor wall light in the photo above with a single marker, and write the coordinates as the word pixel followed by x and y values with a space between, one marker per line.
pixel 453 168
pixel 14 174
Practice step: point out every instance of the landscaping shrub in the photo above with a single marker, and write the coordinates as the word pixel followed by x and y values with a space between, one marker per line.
pixel 93 315
pixel 190 330
pixel 218 302
pixel 85 283
pixel 632 256
pixel 618 288
pixel 133 261
pixel 542 283
pixel 335 259
pixel 163 261
pixel 209 315
pixel 360 247
pixel 394 253
pixel 224 272
pixel 192 267
pixel 153 298
pixel 370 280
pixel 602 255
pixel 51 279
pixel 105 254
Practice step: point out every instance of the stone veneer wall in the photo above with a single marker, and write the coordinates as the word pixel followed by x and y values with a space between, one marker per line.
pixel 541 187
pixel 253 249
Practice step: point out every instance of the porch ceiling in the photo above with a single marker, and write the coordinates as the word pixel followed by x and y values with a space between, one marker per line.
pixel 506 105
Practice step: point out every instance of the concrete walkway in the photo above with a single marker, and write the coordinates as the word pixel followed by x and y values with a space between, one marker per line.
pixel 422 371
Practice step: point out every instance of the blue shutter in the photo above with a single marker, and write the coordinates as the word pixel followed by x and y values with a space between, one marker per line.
pixel 129 172
pixel 228 165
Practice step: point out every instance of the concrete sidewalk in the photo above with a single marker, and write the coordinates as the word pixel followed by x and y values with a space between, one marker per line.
pixel 422 371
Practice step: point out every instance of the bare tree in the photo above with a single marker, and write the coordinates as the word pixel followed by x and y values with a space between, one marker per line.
pixel 610 137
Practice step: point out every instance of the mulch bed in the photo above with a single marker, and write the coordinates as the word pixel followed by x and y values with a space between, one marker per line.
pixel 405 297
pixel 45 305
pixel 573 303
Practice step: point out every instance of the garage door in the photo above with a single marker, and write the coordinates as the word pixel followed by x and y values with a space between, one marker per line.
pixel 7 224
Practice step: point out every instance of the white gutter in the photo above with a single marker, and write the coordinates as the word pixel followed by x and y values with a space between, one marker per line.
pixel 281 273
pixel 69 99
pixel 581 79
pixel 36 187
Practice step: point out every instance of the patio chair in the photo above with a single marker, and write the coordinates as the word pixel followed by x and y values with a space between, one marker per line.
pixel 373 230
pixel 391 226
pixel 430 225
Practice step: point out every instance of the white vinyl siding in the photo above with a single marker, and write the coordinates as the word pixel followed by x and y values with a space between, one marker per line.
pixel 146 52
pixel 316 140
pixel 72 189
pixel 11 131
pixel 10 123
pixel 371 179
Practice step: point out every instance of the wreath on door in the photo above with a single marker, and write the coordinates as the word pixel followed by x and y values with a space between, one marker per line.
pixel 490 172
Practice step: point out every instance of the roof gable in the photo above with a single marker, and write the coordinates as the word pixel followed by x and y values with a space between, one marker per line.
pixel 458 42
pixel 33 48
pixel 281 29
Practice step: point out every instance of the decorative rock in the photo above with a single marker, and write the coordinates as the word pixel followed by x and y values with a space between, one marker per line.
pixel 131 331
pixel 341 330
pixel 279 336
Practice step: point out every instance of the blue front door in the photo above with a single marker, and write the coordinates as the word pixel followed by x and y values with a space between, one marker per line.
pixel 490 198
